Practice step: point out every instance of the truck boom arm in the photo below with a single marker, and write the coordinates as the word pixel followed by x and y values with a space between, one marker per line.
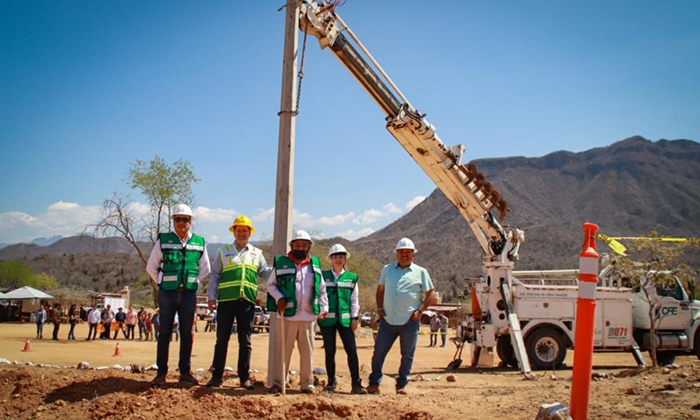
pixel 465 187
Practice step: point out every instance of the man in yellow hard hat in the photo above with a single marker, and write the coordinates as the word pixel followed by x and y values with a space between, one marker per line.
pixel 234 284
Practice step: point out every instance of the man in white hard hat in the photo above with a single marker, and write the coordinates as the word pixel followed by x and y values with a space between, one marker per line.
pixel 399 308
pixel 178 262
pixel 297 292
pixel 234 284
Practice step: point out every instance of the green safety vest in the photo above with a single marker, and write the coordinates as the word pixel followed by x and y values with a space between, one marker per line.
pixel 286 274
pixel 239 279
pixel 339 294
pixel 180 264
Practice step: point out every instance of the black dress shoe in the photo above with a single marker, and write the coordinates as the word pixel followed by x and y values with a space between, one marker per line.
pixel 248 385
pixel 214 383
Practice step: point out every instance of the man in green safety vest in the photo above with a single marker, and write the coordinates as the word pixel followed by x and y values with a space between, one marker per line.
pixel 234 284
pixel 343 317
pixel 297 293
pixel 178 262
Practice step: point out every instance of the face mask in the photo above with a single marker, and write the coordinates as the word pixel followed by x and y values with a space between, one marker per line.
pixel 299 254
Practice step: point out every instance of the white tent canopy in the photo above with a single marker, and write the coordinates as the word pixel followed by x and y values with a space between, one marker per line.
pixel 26 292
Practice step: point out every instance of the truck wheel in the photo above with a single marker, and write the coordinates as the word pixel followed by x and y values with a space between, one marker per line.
pixel 696 344
pixel 546 349
pixel 505 351
pixel 665 358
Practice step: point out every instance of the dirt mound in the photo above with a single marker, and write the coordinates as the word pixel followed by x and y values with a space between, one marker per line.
pixel 30 392
pixel 33 392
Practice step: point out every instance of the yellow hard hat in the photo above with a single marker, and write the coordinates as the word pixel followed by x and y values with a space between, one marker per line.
pixel 242 221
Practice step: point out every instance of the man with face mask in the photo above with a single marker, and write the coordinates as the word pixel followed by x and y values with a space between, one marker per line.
pixel 297 292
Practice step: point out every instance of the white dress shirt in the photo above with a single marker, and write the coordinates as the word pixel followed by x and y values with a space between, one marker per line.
pixel 94 316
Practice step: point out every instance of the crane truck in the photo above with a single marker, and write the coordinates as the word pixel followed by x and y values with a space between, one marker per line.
pixel 508 308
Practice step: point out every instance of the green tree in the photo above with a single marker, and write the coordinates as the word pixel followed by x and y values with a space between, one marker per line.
pixel 163 186
pixel 44 281
pixel 14 275
pixel 654 265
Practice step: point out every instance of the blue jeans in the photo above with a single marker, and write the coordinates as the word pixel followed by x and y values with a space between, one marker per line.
pixel 184 303
pixel 443 333
pixel 386 336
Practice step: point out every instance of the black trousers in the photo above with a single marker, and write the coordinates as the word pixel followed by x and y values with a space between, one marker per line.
pixel 347 336
pixel 56 326
pixel 243 312
pixel 92 331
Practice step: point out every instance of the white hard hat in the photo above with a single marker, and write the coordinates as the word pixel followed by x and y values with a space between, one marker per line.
pixel 405 243
pixel 301 235
pixel 182 210
pixel 338 249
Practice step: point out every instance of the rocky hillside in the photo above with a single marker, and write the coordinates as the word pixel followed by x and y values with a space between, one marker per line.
pixel 627 188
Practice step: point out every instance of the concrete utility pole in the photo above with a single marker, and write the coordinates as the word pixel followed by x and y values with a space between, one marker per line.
pixel 285 149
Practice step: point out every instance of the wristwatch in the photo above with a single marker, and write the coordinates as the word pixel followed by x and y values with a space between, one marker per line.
pixel 355 318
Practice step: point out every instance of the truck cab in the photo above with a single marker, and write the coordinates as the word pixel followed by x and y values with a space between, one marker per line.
pixel 679 323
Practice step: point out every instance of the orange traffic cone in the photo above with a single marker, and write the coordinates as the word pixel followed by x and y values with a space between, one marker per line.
pixel 27 347
pixel 117 351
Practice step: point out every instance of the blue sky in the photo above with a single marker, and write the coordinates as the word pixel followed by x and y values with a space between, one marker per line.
pixel 88 86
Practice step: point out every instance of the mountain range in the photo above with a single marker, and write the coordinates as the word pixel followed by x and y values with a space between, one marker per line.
pixel 628 188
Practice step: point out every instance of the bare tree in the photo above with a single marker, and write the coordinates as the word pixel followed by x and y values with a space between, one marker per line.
pixel 654 266
pixel 163 186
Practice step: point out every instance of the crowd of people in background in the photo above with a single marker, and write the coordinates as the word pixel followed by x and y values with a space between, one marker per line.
pixel 103 323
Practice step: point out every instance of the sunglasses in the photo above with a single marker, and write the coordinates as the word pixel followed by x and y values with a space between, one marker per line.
pixel 181 219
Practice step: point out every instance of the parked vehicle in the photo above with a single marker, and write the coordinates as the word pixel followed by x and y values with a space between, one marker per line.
pixel 365 319
pixel 201 311
pixel 261 320
pixel 544 309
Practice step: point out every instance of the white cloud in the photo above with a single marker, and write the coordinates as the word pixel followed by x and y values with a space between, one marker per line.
pixel 139 209
pixel 337 219
pixel 210 215
pixel 391 208
pixel 355 234
pixel 60 218
pixel 63 206
pixel 14 218
pixel 302 218
pixel 264 215
pixel 372 215
pixel 212 239
pixel 414 202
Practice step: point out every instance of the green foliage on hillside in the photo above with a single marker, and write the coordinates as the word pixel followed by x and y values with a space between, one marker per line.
pixel 14 274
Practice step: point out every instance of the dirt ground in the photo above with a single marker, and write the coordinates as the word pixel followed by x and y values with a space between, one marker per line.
pixel 621 391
